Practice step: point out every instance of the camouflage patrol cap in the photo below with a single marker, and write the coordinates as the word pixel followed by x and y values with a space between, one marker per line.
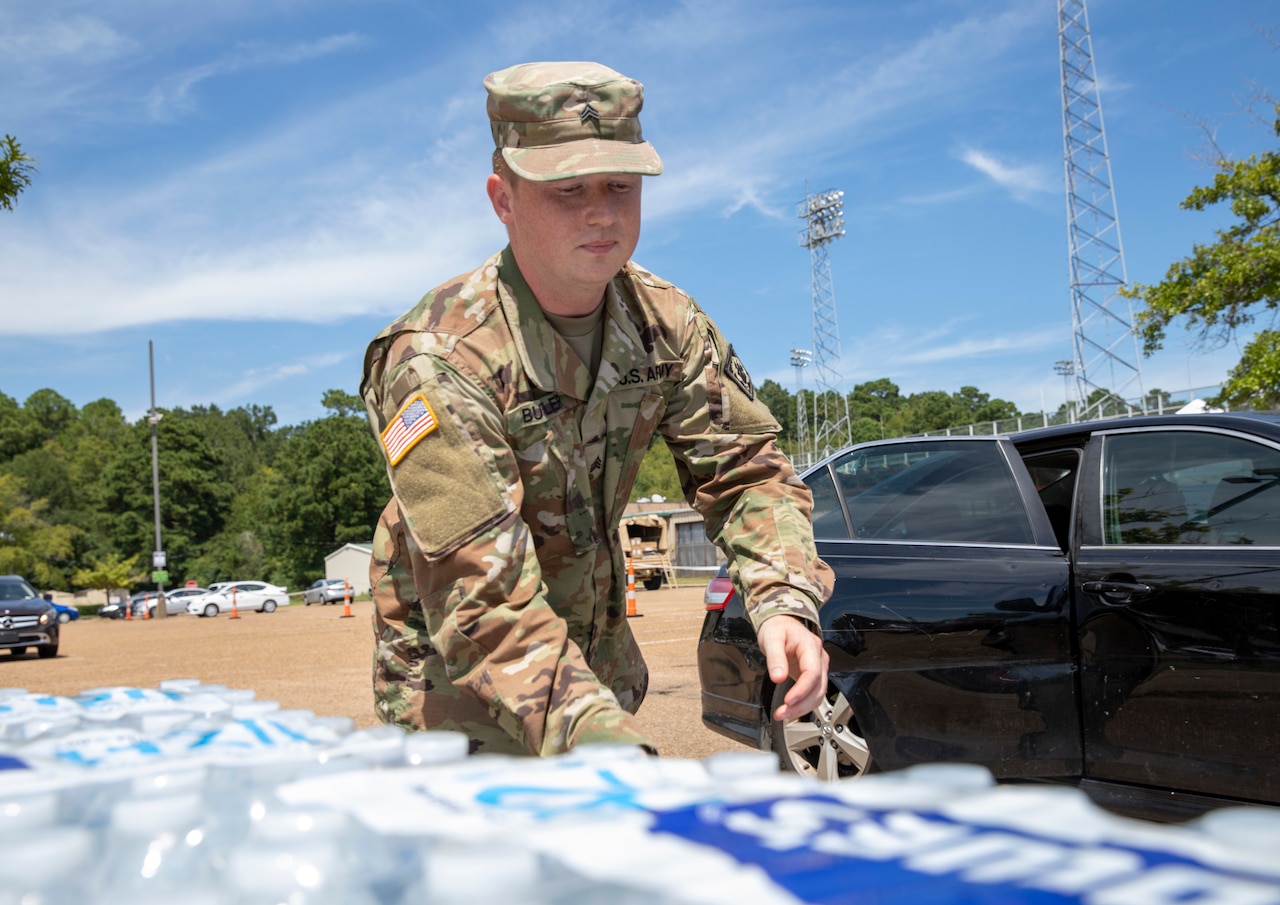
pixel 562 120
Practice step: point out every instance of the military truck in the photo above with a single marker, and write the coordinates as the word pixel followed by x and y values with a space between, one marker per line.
pixel 648 538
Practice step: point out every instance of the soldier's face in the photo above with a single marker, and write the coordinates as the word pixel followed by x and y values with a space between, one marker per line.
pixel 572 236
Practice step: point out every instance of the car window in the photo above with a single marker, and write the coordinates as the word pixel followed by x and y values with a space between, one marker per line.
pixel 1054 475
pixel 957 491
pixel 828 517
pixel 1190 487
pixel 16 589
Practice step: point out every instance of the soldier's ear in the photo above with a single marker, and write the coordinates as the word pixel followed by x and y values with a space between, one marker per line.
pixel 500 198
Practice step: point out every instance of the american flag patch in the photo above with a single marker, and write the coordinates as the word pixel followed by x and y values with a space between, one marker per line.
pixel 413 422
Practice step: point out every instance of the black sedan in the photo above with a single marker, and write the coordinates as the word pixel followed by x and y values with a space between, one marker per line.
pixel 26 619
pixel 1097 603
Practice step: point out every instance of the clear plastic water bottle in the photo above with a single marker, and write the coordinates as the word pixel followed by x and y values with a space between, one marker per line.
pixel 425 749
pixel 154 846
pixel 303 856
pixel 47 865
pixel 21 813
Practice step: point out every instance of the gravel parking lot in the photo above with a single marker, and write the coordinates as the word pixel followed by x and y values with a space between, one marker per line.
pixel 314 659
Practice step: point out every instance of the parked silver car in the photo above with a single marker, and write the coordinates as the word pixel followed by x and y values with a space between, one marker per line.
pixel 328 590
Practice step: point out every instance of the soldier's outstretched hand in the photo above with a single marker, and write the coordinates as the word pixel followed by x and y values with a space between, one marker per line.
pixel 792 650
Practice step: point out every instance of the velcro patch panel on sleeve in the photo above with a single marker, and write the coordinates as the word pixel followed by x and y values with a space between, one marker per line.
pixel 409 425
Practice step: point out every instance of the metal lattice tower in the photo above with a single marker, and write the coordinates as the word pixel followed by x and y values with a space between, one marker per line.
pixel 1105 347
pixel 824 218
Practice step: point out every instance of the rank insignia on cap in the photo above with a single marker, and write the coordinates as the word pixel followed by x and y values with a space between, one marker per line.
pixel 589 112
pixel 736 371
pixel 413 422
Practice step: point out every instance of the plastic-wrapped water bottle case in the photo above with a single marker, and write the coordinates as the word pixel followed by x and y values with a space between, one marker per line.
pixel 190 794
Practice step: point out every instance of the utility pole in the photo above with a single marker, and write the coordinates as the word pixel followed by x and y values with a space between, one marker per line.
pixel 158 560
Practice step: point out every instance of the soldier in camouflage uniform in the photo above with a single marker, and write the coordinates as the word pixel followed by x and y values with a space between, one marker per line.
pixel 514 404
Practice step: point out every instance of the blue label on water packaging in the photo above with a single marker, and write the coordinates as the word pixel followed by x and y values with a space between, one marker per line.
pixel 825 851
pixel 7 762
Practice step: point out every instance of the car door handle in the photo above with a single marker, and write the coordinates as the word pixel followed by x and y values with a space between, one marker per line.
pixel 1116 592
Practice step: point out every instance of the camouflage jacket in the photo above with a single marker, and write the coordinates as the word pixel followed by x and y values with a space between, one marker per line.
pixel 499 584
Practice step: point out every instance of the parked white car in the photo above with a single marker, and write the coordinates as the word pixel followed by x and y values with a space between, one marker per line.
pixel 242 595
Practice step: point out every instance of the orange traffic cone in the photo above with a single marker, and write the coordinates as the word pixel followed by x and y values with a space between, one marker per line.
pixel 128 610
pixel 631 589
pixel 146 607
pixel 346 600
pixel 235 610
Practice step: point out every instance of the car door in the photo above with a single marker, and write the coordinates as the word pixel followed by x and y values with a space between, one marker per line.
pixel 949 627
pixel 250 595
pixel 1178 578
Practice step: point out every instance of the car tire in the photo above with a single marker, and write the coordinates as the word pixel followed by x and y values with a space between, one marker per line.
pixel 210 609
pixel 17 651
pixel 826 744
pixel 47 651
pixel 269 606
pixel 652 584
pixel 64 617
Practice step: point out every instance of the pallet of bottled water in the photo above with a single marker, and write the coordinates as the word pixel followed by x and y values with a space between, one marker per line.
pixel 191 794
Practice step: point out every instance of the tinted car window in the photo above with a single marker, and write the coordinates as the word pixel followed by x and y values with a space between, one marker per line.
pixel 828 517
pixel 16 589
pixel 1054 475
pixel 1190 487
pixel 942 491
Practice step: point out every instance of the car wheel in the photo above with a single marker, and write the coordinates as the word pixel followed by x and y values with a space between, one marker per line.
pixel 269 606
pixel 210 609
pixel 652 584
pixel 17 651
pixel 306 602
pixel 64 617
pixel 47 651
pixel 825 744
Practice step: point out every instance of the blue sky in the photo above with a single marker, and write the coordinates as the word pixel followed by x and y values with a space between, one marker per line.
pixel 258 186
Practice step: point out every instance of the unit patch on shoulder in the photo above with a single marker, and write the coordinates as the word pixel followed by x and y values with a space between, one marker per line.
pixel 413 422
pixel 736 371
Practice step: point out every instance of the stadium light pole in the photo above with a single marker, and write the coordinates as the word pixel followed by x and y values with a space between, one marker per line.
pixel 1067 368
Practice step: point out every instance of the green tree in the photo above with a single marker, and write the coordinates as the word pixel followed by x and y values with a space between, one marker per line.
pixel 51 412
pixel 657 473
pixel 783 406
pixel 194 491
pixel 109 573
pixel 340 402
pixel 866 429
pixel 328 487
pixel 29 545
pixel 927 411
pixel 18 430
pixel 978 406
pixel 1220 287
pixel 15 171
pixel 875 399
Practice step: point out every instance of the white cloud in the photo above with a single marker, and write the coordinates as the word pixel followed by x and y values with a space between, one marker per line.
pixel 77 39
pixel 174 96
pixel 1022 182
pixel 298 222
pixel 256 378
